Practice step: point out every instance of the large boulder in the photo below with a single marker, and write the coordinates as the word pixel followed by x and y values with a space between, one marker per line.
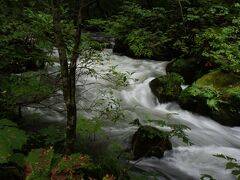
pixel 150 141
pixel 217 95
pixel 190 68
pixel 167 88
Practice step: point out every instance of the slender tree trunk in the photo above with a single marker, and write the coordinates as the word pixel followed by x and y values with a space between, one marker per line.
pixel 68 72
pixel 182 16
pixel 71 109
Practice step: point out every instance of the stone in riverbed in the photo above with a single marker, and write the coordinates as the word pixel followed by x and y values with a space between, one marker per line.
pixel 150 141
pixel 167 88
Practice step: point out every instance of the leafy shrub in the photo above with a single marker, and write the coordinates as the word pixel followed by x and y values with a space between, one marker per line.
pixel 232 164
pixel 205 95
pixel 11 139
pixel 44 164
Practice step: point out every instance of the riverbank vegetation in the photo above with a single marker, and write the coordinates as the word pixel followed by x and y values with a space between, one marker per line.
pixel 199 38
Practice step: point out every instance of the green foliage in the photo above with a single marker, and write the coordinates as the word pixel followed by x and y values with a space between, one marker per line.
pixel 118 79
pixel 112 161
pixel 40 25
pixel 40 160
pixel 214 33
pixel 45 163
pixel 134 26
pixel 89 43
pixel 23 89
pixel 112 107
pixel 73 162
pixel 11 138
pixel 207 94
pixel 209 29
pixel 51 135
pixel 232 164
pixel 22 41
pixel 140 42
pixel 89 126
pixel 150 132
pixel 233 91
pixel 28 86
pixel 173 77
pixel 221 46
pixel 176 130
pixel 169 85
pixel 146 175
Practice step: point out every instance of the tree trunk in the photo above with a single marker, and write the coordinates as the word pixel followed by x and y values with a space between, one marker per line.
pixel 68 72
pixel 182 16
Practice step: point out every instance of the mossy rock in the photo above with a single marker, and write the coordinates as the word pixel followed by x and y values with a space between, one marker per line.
pixel 150 141
pixel 190 68
pixel 229 107
pixel 219 80
pixel 167 88
pixel 199 99
pixel 217 95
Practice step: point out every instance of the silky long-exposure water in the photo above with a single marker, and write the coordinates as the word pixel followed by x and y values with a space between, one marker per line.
pixel 183 162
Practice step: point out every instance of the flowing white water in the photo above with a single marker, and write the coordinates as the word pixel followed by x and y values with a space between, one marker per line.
pixel 183 162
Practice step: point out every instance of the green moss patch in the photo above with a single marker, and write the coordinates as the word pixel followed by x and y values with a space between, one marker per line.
pixel 219 80
pixel 167 88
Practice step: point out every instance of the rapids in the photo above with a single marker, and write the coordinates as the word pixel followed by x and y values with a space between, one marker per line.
pixel 183 162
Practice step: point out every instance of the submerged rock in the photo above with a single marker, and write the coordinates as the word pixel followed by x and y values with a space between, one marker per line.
pixel 150 141
pixel 167 88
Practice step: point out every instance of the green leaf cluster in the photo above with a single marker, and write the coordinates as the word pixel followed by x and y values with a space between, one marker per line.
pixel 11 138
pixel 46 164
pixel 205 94
pixel 176 130
pixel 135 26
pixel 232 164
